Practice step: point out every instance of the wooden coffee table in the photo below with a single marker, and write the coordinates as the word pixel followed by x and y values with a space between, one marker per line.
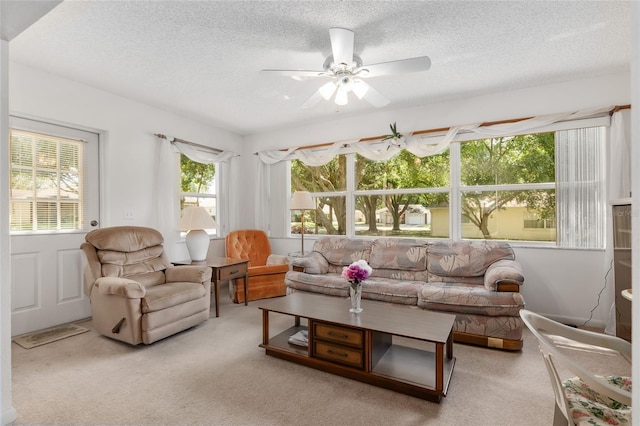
pixel 408 350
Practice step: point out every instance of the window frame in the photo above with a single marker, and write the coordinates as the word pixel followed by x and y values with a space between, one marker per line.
pixel 456 189
pixel 61 135
pixel 206 195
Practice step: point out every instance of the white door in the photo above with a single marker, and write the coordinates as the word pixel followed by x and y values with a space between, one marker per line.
pixel 54 202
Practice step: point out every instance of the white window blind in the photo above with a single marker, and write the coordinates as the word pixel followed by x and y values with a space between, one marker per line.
pixel 46 182
pixel 580 187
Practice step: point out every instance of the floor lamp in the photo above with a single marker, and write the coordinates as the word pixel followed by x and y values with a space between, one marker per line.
pixel 301 200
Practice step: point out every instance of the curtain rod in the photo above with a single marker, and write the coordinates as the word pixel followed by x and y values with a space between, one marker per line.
pixel 161 136
pixel 446 129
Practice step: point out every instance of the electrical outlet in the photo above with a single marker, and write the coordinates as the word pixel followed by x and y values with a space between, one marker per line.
pixel 128 214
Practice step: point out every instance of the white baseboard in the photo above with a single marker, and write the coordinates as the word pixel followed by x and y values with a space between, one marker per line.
pixel 576 321
pixel 8 416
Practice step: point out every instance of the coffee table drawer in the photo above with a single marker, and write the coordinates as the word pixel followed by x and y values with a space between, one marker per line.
pixel 233 271
pixel 340 335
pixel 338 354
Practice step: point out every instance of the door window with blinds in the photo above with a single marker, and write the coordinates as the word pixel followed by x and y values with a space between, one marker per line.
pixel 48 183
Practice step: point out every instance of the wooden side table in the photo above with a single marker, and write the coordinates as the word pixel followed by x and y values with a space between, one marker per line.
pixel 223 269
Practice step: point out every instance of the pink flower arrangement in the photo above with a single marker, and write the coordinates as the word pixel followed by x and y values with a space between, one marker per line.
pixel 357 272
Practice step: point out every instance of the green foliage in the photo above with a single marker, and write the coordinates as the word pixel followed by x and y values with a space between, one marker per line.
pixel 394 133
pixel 522 159
pixel 507 160
pixel 195 177
pixel 330 177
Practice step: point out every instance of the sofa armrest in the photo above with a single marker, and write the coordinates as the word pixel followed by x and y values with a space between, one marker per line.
pixel 312 263
pixel 504 275
pixel 120 287
pixel 188 273
pixel 277 259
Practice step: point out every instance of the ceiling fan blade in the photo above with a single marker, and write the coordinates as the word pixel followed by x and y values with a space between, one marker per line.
pixel 296 73
pixel 402 66
pixel 364 91
pixel 341 45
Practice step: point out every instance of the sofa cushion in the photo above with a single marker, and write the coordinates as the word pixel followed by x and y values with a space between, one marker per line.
pixel 469 299
pixel 466 258
pixel 394 291
pixel 312 263
pixel 342 250
pixel 399 254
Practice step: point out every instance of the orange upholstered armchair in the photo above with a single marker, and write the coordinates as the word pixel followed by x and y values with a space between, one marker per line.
pixel 266 270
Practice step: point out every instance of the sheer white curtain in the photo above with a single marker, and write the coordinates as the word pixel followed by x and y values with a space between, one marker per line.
pixel 580 187
pixel 167 195
pixel 262 181
pixel 420 145
pixel 167 189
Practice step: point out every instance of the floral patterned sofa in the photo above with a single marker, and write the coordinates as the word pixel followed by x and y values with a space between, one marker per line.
pixel 478 281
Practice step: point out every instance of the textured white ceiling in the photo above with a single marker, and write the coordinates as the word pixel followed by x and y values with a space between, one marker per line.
pixel 203 59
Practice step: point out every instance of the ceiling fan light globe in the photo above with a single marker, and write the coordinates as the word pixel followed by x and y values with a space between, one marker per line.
pixel 327 90
pixel 341 97
pixel 360 89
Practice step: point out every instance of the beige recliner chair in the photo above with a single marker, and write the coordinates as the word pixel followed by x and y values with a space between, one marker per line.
pixel 137 295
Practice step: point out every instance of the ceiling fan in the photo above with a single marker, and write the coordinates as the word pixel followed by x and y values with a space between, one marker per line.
pixel 346 72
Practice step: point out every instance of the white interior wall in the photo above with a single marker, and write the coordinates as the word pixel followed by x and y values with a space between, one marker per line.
pixel 563 284
pixel 127 134
pixel 560 283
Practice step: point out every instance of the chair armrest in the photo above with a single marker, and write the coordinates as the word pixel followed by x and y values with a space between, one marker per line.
pixel 188 273
pixel 277 259
pixel 268 269
pixel 504 275
pixel 312 263
pixel 120 287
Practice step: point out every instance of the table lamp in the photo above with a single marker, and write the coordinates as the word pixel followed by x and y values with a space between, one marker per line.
pixel 301 200
pixel 195 220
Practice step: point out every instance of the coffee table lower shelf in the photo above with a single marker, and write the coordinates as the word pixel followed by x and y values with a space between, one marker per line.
pixel 403 369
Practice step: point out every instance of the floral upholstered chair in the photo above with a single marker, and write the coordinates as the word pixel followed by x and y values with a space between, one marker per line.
pixel 586 399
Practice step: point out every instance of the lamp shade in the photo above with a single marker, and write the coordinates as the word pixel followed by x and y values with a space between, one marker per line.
pixel 195 220
pixel 301 200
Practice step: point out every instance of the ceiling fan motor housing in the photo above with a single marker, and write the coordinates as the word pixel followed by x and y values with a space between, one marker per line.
pixel 332 67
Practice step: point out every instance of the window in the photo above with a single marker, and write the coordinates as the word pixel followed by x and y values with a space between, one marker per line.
pixel 198 186
pixel 405 196
pixel 518 188
pixel 45 182
pixel 503 178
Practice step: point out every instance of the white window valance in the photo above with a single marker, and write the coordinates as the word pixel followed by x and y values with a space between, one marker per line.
pixel 420 143
pixel 199 153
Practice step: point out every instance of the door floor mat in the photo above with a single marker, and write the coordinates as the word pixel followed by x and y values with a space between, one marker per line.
pixel 42 337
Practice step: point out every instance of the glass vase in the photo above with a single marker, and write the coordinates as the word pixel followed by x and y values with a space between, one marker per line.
pixel 355 294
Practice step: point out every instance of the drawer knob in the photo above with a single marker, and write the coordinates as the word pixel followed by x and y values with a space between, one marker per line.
pixel 235 272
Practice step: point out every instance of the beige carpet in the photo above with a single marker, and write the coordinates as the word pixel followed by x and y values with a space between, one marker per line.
pixel 215 374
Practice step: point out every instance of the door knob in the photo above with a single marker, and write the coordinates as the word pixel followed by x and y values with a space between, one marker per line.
pixel 94 223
